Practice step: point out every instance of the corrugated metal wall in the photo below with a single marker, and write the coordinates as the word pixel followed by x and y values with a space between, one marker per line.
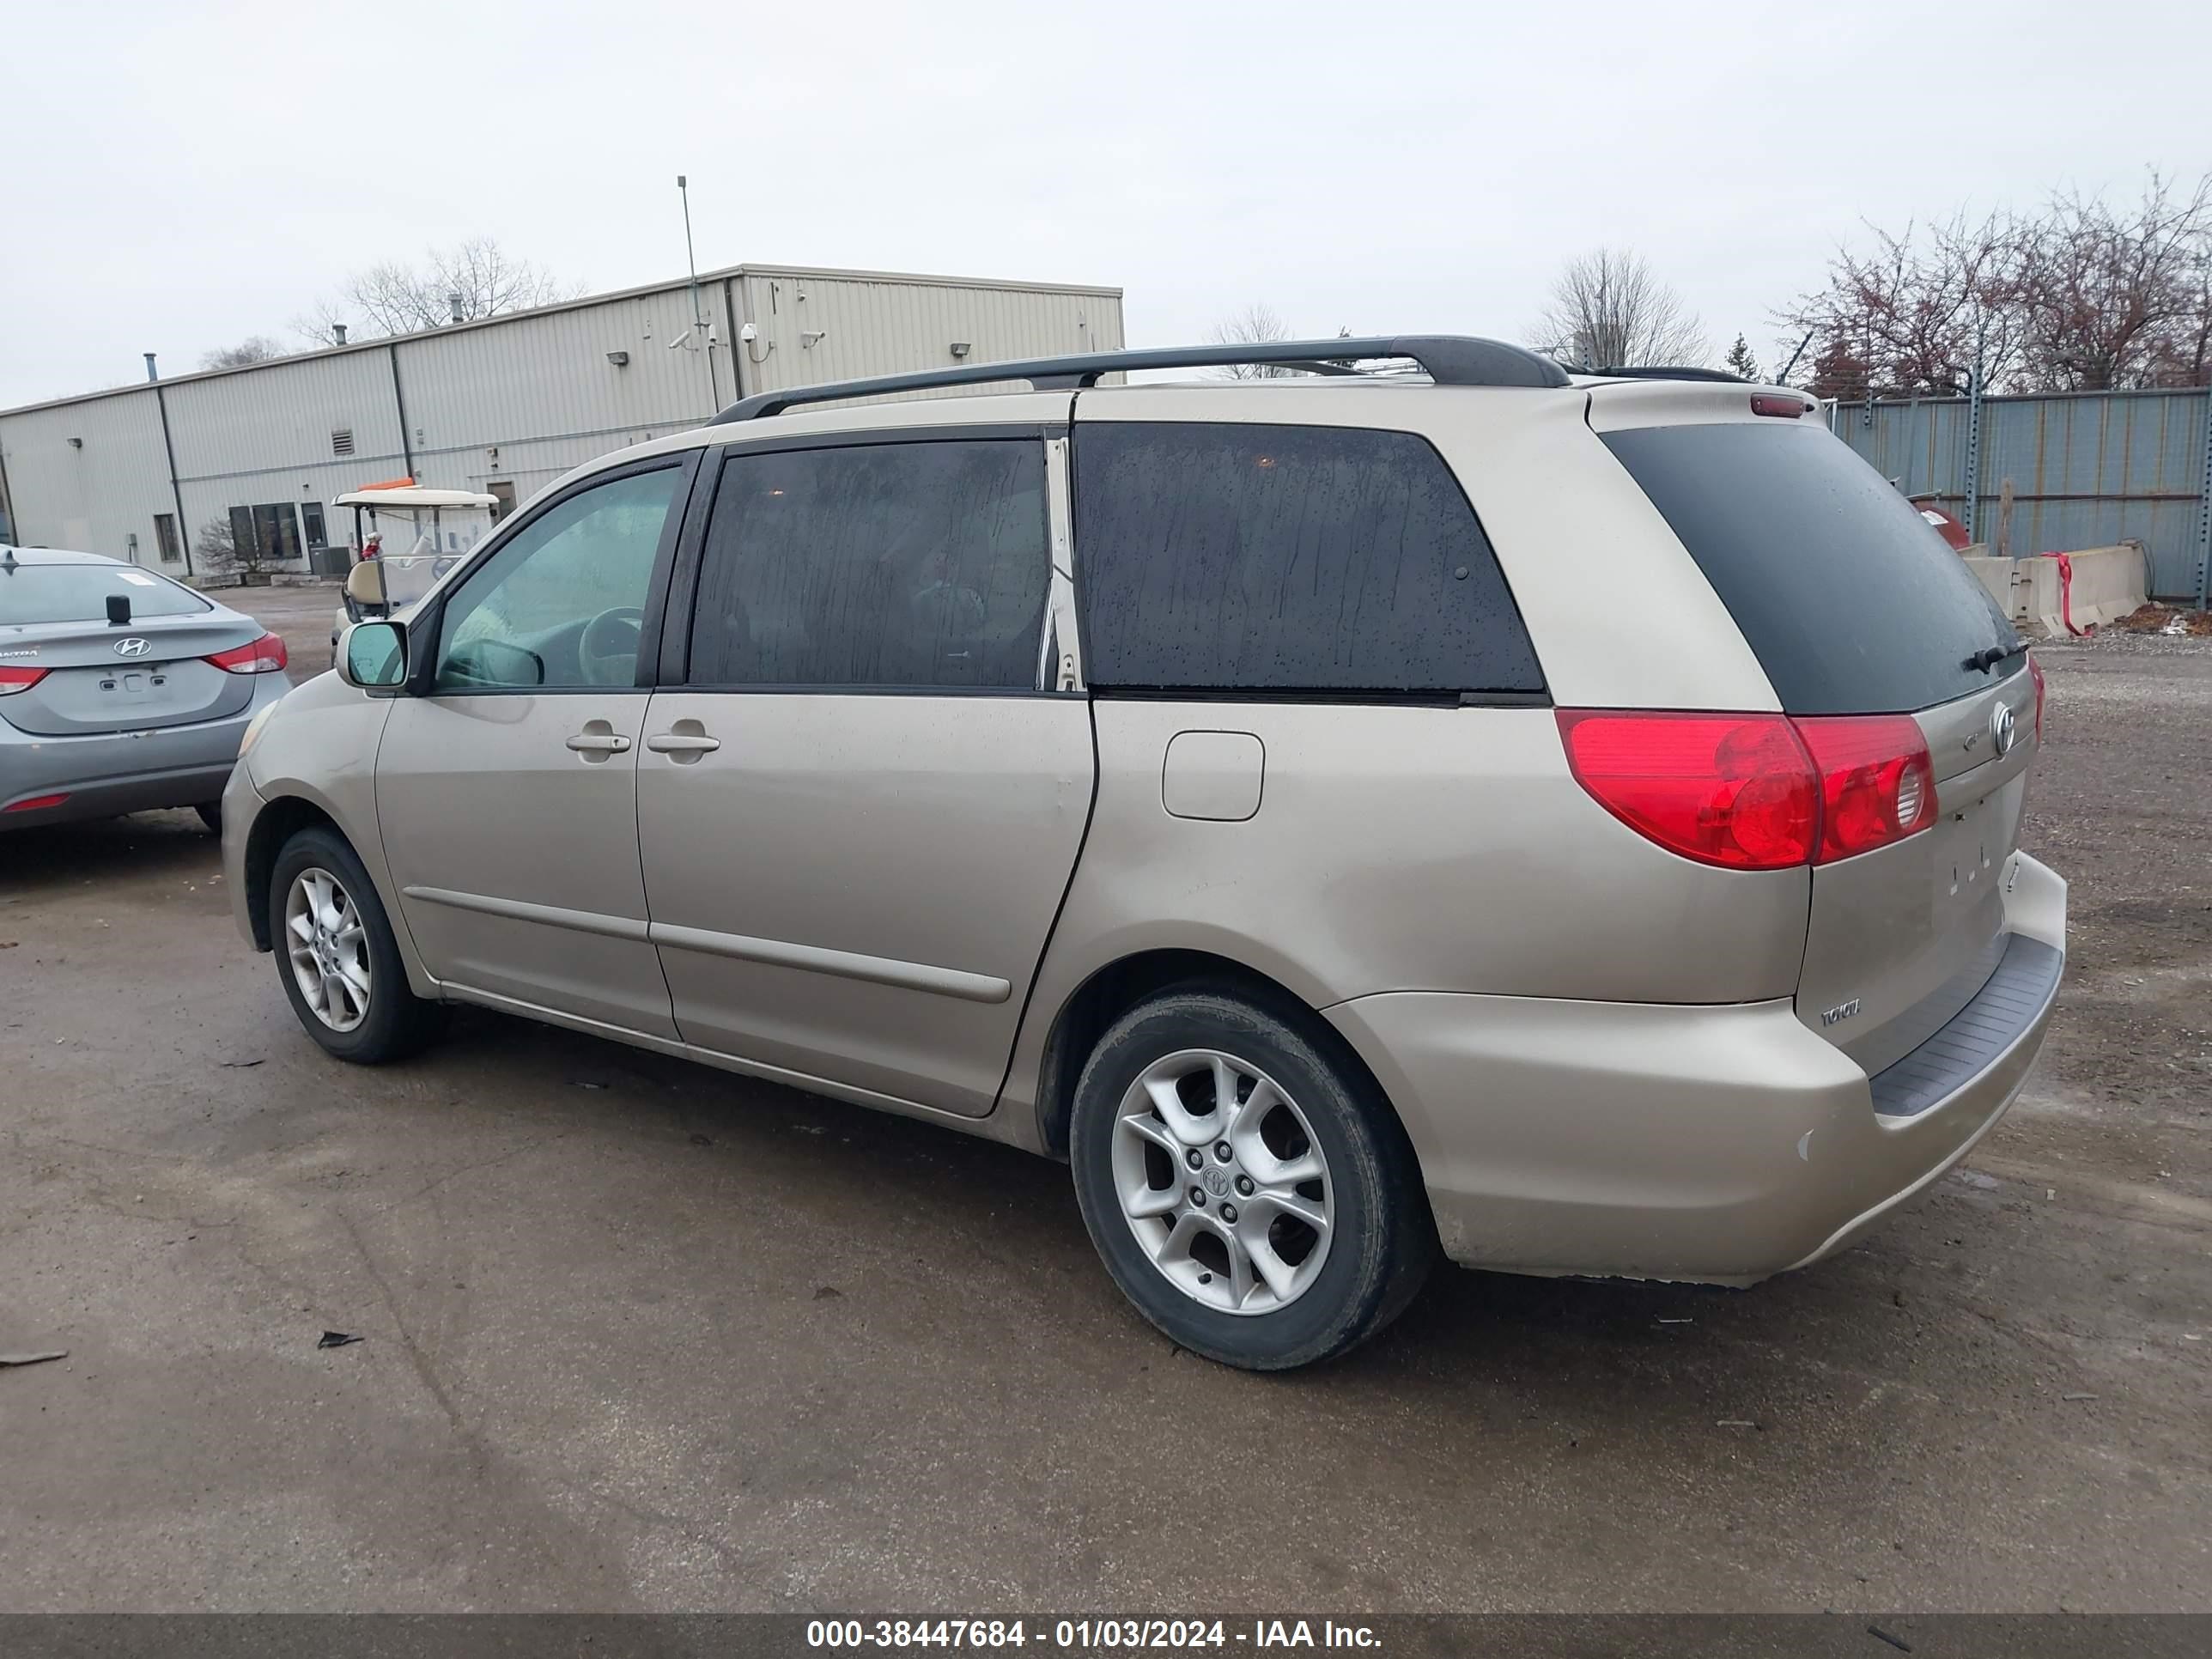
pixel 816 326
pixel 519 400
pixel 97 492
pixel 2088 469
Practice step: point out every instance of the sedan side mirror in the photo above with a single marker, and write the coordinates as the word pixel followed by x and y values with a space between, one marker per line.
pixel 373 656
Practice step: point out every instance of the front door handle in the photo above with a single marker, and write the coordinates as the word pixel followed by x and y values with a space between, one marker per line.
pixel 598 740
pixel 686 741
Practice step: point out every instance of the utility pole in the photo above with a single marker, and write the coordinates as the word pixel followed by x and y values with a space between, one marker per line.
pixel 2204 515
pixel 1974 390
pixel 698 316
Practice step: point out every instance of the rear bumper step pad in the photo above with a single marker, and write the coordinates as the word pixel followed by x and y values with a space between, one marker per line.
pixel 2026 979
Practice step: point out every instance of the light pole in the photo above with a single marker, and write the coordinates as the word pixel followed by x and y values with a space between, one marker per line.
pixel 698 317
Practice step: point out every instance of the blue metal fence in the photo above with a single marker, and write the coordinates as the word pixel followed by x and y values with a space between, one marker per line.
pixel 2088 469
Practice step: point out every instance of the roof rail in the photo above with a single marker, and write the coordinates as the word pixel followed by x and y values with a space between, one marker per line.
pixel 1450 359
pixel 1670 372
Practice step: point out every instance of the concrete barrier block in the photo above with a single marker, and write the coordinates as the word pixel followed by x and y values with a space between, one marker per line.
pixel 2108 585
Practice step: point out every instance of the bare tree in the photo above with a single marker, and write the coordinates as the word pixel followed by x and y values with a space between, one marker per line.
pixel 1608 310
pixel 254 349
pixel 221 553
pixel 1257 323
pixel 476 278
pixel 1920 313
pixel 2118 297
pixel 2079 296
pixel 2185 356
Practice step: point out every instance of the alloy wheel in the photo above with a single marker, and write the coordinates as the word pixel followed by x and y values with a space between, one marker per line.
pixel 1222 1182
pixel 328 947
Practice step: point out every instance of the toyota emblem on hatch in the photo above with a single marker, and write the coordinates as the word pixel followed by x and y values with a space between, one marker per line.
pixel 2001 730
pixel 133 647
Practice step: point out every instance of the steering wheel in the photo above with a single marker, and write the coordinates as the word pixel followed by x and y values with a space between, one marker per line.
pixel 606 650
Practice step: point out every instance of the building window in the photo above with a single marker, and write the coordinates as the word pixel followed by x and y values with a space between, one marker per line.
pixel 269 534
pixel 342 440
pixel 277 528
pixel 165 538
pixel 310 522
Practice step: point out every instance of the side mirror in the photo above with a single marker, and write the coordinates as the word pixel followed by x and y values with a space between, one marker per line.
pixel 373 656
pixel 364 583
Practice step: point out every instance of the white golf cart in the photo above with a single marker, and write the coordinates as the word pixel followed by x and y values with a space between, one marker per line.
pixel 433 531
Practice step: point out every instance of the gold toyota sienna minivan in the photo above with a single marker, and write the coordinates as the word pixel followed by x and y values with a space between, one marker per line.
pixel 1566 822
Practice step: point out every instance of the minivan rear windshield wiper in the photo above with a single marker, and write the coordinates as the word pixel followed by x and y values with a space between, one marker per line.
pixel 1986 659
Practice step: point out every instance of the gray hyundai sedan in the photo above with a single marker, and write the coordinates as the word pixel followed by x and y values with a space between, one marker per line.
pixel 120 691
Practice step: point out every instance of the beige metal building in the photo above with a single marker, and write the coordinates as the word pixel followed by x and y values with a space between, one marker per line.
pixel 501 406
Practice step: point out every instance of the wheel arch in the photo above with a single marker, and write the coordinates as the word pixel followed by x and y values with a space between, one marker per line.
pixel 1112 990
pixel 297 806
pixel 283 817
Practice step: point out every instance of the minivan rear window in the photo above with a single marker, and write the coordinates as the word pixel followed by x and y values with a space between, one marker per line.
pixel 1322 561
pixel 1852 603
pixel 35 593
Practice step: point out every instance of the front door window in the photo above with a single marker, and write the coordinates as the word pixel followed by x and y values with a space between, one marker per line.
pixel 560 607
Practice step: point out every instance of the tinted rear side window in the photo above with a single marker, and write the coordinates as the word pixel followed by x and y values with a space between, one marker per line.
pixel 1853 603
pixel 1286 558
pixel 908 564
pixel 31 593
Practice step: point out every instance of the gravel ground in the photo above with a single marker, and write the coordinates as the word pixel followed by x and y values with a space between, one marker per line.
pixel 639 1335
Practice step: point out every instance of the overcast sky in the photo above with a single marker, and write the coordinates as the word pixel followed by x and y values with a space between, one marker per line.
pixel 178 176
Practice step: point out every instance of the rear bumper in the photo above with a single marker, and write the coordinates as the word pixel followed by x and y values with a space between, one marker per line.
pixel 108 773
pixel 1713 1144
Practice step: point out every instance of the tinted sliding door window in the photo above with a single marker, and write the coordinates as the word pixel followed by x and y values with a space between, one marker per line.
pixel 914 565
pixel 1286 558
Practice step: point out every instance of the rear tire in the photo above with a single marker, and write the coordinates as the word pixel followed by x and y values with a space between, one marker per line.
pixel 210 813
pixel 336 956
pixel 1302 1228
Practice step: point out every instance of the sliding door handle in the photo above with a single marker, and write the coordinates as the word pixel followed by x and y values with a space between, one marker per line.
pixel 686 741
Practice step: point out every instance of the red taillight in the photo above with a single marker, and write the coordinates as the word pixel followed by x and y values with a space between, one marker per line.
pixel 35 802
pixel 265 655
pixel 13 680
pixel 1789 409
pixel 1877 784
pixel 2034 672
pixel 1734 790
pixel 1755 792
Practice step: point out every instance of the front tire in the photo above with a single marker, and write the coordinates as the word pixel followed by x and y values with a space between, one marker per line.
pixel 1245 1183
pixel 337 955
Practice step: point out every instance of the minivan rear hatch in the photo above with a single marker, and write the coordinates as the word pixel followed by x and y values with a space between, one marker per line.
pixel 1855 606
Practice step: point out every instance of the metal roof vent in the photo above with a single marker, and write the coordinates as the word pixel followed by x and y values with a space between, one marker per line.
pixel 342 440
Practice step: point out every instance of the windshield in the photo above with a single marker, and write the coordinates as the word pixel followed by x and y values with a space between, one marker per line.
pixel 35 593
pixel 1852 603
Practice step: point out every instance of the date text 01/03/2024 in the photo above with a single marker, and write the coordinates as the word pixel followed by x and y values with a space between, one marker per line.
pixel 1083 1634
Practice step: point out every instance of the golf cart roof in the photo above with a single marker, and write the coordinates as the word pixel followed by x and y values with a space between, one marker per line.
pixel 405 496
